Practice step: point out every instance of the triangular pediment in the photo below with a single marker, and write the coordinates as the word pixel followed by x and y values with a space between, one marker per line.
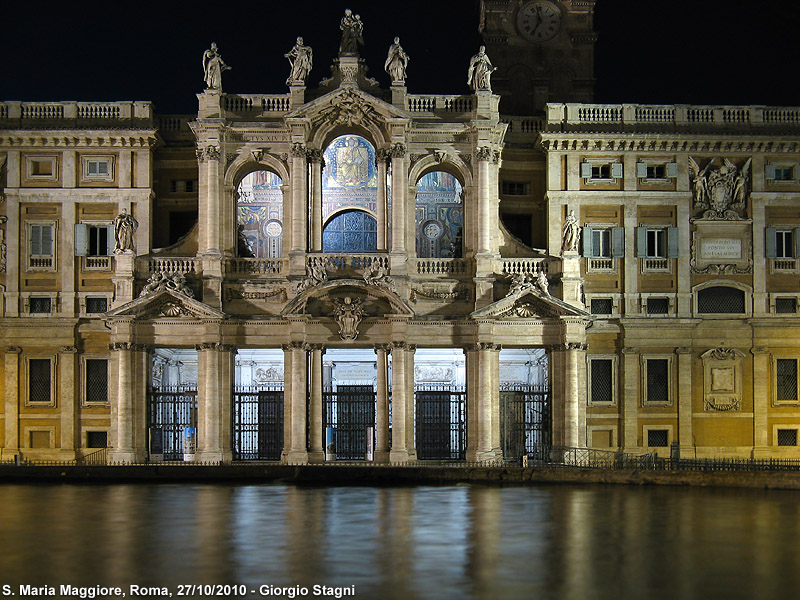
pixel 348 106
pixel 528 304
pixel 166 304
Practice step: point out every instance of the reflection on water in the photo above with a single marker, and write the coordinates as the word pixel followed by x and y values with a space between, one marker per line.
pixel 410 542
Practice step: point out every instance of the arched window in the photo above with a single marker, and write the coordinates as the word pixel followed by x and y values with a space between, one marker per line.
pixel 439 216
pixel 352 231
pixel 720 300
pixel 259 214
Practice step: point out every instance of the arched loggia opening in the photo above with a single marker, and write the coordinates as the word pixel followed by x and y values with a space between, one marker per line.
pixel 259 215
pixel 352 232
pixel 439 216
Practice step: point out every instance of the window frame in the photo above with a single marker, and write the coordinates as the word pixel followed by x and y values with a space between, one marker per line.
pixel 645 358
pixel 643 171
pixel 30 159
pixel 785 426
pixel 88 159
pixel 748 299
pixel 30 256
pixel 85 380
pixel 53 358
pixel 646 429
pixel 612 358
pixel 591 170
pixel 785 402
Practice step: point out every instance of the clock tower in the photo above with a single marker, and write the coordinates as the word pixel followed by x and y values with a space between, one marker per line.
pixel 543 51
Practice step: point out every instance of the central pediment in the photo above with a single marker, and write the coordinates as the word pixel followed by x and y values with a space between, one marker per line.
pixel 166 303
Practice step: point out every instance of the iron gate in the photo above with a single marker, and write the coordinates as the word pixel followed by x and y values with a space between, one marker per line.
pixel 170 410
pixel 350 410
pixel 257 423
pixel 526 422
pixel 441 424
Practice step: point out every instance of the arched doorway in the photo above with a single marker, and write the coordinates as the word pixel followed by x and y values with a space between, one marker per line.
pixel 259 215
pixel 439 216
pixel 351 231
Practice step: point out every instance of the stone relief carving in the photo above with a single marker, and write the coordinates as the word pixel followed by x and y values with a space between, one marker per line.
pixel 396 63
pixel 274 293
pixel 480 71
pixel 571 233
pixel 722 379
pixel 348 314
pixel 433 373
pixel 159 282
pixel 349 109
pixel 171 309
pixel 316 273
pixel 213 67
pixel 269 374
pixel 378 275
pixel 125 227
pixel 441 293
pixel 720 192
pixel 529 281
pixel 300 58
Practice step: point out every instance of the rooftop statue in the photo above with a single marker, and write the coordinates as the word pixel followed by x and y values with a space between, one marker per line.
pixel 300 57
pixel 480 71
pixel 213 66
pixel 352 33
pixel 396 62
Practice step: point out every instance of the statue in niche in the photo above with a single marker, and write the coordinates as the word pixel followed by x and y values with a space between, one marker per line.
pixel 572 233
pixel 125 226
pixel 348 314
pixel 396 62
pixel 480 71
pixel 213 66
pixel 300 57
pixel 720 191
pixel 352 33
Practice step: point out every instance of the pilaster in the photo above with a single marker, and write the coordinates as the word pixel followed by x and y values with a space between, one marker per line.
pixel 382 407
pixel 317 164
pixel 411 447
pixel 215 372
pixel 630 399
pixel 381 156
pixel 761 399
pixel 294 403
pixel 13 394
pixel 316 453
pixel 483 398
pixel 399 207
pixel 129 415
pixel 69 401
pixel 399 450
pixel 685 436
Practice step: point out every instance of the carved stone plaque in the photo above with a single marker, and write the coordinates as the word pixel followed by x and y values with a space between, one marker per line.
pixel 717 248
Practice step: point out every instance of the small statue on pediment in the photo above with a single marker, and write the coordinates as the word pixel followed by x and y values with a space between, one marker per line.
pixel 213 67
pixel 396 62
pixel 571 233
pixel 301 59
pixel 352 33
pixel 480 71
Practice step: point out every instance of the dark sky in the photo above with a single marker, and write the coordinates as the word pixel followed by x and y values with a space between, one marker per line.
pixel 691 51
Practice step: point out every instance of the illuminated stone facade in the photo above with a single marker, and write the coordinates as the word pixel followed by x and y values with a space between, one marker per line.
pixel 418 275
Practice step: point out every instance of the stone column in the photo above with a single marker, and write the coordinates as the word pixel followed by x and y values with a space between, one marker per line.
pixel 399 201
pixel 381 156
pixel 13 393
pixel 294 404
pixel 215 372
pixel 316 453
pixel 69 400
pixel 630 399
pixel 410 403
pixel 484 204
pixel 483 396
pixel 761 396
pixel 317 164
pixel 399 450
pixel 382 408
pixel 299 198
pixel 129 420
pixel 569 399
pixel 210 234
pixel 685 437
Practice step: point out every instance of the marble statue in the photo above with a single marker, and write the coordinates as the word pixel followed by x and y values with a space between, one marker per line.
pixel 396 62
pixel 213 66
pixel 480 71
pixel 572 233
pixel 352 33
pixel 300 57
pixel 164 281
pixel 542 282
pixel 348 314
pixel 125 226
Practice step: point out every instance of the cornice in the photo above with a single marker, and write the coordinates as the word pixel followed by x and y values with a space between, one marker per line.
pixel 652 142
pixel 122 138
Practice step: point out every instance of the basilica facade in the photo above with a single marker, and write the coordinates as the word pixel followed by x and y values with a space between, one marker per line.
pixel 352 271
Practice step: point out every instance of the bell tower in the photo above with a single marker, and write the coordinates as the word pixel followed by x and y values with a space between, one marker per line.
pixel 543 51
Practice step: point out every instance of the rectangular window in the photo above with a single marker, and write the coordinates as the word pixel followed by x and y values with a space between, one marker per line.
pixel 40 246
pixel 96 381
pixel 601 243
pixel 656 243
pixel 516 188
pixel 782 172
pixel 40 304
pixel 601 371
pixel 784 246
pixel 96 305
pixel 657 306
pixel 786 305
pixel 656 171
pixel 39 380
pixel 657 380
pixel 94 240
pixel 41 168
pixel 601 306
pixel 601 171
pixel 786 379
pixel 183 186
pixel 96 439
pixel 98 168
pixel 787 437
pixel 657 438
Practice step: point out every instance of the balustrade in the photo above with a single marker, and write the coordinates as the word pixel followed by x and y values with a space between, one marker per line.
pixel 517 266
pixel 171 265
pixel 256 266
pixel 441 266
pixel 256 103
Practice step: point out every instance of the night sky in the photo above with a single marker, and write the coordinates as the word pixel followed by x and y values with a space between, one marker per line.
pixel 681 51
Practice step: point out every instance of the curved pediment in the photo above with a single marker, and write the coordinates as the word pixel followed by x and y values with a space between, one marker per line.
pixel 166 303
pixel 322 300
pixel 529 303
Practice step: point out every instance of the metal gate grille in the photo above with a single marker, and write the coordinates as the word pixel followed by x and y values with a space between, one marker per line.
pixel 526 422
pixel 170 410
pixel 441 423
pixel 350 410
pixel 257 423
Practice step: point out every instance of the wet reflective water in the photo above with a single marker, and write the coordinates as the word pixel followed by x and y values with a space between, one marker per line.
pixel 410 542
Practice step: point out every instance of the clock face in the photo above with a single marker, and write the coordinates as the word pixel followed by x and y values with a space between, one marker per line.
pixel 539 21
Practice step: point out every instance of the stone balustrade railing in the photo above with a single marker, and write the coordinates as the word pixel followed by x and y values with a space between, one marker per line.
pixel 570 114
pixel 175 126
pixel 523 125
pixel 256 104
pixel 343 263
pixel 443 267
pixel 75 111
pixel 255 266
pixel 440 105
pixel 171 264
pixel 517 266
